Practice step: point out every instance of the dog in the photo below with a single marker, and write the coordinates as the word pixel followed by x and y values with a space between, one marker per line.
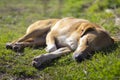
pixel 62 36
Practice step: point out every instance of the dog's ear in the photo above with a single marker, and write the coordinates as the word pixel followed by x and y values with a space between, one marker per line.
pixel 87 28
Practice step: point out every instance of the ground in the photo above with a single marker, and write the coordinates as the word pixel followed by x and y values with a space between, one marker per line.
pixel 17 15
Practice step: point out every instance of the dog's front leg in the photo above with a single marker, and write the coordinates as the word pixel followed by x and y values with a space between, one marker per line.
pixel 84 49
pixel 49 56
pixel 50 42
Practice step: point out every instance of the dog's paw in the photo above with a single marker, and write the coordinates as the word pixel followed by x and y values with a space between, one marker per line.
pixel 8 46
pixel 18 48
pixel 37 61
pixel 35 64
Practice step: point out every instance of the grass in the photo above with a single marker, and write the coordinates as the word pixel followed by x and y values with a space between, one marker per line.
pixel 17 15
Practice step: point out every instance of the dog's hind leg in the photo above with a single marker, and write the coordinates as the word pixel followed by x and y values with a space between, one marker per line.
pixel 22 39
pixel 39 41
pixel 49 56
pixel 33 35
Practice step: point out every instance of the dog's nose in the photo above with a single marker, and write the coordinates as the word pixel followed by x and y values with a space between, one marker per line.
pixel 78 57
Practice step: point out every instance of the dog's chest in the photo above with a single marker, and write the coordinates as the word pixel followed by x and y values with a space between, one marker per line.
pixel 67 41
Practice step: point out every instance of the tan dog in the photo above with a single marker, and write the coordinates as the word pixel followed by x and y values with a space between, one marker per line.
pixel 67 35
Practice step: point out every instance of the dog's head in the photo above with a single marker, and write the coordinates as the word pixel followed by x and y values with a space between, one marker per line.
pixel 92 38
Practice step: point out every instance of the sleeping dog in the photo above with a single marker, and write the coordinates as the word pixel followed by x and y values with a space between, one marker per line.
pixel 62 36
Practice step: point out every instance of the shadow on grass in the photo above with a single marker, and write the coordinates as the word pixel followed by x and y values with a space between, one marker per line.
pixel 109 49
pixel 104 51
pixel 47 64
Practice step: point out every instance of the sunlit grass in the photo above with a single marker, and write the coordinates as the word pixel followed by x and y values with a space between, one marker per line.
pixel 16 16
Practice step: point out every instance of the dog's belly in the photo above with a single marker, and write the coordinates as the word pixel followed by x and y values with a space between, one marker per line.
pixel 64 41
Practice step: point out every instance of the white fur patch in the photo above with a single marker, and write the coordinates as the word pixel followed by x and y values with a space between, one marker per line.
pixel 72 43
pixel 51 48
